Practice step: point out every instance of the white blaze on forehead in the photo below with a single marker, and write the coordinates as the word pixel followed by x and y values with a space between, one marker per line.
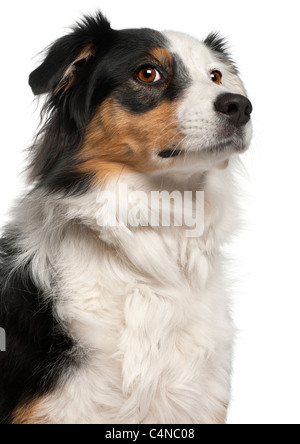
pixel 193 53
pixel 199 61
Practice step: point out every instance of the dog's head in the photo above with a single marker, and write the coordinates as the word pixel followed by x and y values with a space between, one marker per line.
pixel 136 100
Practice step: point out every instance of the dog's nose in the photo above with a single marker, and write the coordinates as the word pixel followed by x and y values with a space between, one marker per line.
pixel 236 107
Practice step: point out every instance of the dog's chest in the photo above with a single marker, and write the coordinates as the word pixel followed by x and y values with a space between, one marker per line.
pixel 154 282
pixel 148 325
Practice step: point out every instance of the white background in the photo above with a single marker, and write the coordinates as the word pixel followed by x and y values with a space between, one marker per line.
pixel 264 37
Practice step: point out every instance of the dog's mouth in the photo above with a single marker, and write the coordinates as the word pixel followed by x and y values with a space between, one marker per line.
pixel 214 148
pixel 168 154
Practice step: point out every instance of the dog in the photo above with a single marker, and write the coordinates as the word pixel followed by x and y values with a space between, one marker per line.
pixel 110 320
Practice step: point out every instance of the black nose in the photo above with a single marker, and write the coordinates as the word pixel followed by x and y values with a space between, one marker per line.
pixel 236 107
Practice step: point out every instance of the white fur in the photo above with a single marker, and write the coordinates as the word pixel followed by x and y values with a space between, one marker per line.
pixel 149 306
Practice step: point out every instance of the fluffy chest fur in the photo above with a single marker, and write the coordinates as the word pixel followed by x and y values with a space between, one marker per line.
pixel 159 347
pixel 146 308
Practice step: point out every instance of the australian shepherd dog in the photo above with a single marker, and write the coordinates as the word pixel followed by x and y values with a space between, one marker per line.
pixel 111 317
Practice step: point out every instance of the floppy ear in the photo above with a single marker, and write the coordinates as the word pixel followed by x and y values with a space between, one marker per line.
pixel 68 55
pixel 59 67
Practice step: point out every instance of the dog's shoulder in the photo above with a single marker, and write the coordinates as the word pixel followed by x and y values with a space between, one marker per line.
pixel 36 345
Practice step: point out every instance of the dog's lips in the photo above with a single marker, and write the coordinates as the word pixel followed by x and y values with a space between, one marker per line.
pixel 168 154
pixel 231 145
pixel 223 146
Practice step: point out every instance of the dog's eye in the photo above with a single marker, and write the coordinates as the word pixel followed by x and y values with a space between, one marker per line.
pixel 148 74
pixel 216 77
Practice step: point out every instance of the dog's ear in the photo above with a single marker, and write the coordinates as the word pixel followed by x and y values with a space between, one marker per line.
pixel 68 56
pixel 60 67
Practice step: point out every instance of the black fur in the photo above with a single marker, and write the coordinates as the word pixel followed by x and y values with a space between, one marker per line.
pixel 65 50
pixel 218 45
pixel 110 68
pixel 37 348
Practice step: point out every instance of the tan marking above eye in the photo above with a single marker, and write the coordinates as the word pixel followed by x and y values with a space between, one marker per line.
pixel 162 57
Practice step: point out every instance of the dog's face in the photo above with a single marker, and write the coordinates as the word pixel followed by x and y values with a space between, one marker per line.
pixel 138 100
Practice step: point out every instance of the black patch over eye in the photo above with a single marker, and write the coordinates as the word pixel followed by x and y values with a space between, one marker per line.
pixel 216 77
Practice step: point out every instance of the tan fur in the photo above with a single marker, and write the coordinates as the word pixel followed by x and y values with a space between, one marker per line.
pixel 162 56
pixel 29 414
pixel 117 139
pixel 69 74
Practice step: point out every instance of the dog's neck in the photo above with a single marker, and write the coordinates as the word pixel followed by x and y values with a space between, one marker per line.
pixel 51 220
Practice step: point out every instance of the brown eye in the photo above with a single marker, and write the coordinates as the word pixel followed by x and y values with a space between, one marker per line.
pixel 148 75
pixel 216 77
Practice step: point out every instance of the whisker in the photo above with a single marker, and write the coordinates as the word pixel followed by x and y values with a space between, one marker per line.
pixel 164 131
